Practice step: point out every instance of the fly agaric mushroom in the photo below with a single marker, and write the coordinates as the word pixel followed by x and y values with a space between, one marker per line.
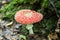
pixel 28 17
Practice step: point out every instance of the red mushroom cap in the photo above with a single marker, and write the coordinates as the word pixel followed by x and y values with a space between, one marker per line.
pixel 28 16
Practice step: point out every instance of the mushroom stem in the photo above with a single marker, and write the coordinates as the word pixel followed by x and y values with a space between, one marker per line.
pixel 29 27
pixel 31 31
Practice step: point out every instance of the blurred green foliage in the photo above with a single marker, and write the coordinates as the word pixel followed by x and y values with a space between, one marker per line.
pixel 49 22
